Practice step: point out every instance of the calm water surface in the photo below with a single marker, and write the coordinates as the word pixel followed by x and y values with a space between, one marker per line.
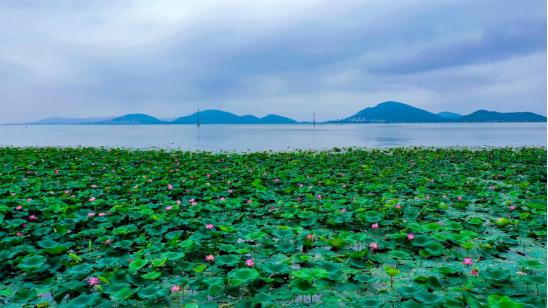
pixel 277 137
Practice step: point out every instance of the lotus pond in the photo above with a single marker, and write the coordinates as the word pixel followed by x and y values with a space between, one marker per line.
pixel 354 228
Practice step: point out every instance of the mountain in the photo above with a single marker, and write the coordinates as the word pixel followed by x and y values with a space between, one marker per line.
pixel 67 121
pixel 449 115
pixel 392 112
pixel 223 117
pixel 493 116
pixel 387 112
pixel 132 119
pixel 276 119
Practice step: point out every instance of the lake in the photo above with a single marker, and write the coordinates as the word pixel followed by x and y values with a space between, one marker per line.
pixel 277 137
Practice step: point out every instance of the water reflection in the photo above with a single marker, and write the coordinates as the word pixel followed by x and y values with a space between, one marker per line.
pixel 277 137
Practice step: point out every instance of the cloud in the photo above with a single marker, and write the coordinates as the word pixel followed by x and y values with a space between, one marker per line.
pixel 290 57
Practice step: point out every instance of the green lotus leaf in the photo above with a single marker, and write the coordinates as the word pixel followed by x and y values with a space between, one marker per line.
pixel 215 286
pixel 497 301
pixel 241 276
pixel 364 278
pixel 33 262
pixel 159 262
pixel 151 275
pixel 432 227
pixel 310 274
pixel 152 292
pixel 122 230
pixel 427 298
pixel 475 221
pixel 173 235
pixel 230 260
pixel 199 268
pixel 392 271
pixel 122 294
pixel 434 249
pixel 85 300
pixel 495 273
pixel 530 263
pixel 336 243
pixel 502 221
pixel 52 247
pixel 137 264
pixel 173 256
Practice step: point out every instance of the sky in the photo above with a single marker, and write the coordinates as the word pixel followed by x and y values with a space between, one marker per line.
pixel 334 58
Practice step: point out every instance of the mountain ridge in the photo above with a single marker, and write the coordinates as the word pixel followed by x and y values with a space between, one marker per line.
pixel 385 112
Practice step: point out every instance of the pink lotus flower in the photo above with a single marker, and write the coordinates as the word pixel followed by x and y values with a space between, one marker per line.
pixel 175 288
pixel 187 190
pixel 169 186
pixel 512 207
pixel 310 236
pixel 410 236
pixel 169 207
pixel 398 206
pixel 475 272
pixel 93 186
pixel 230 191
pixel 56 171
pixel 276 180
pixel 374 246
pixel 222 199
pixel 66 192
pixel 249 263
pixel 92 199
pixel 467 261
pixel 19 208
pixel 178 202
pixel 375 226
pixel 194 203
pixel 91 214
pixel 210 258
pixel 249 201
pixel 93 281
pixel 23 225
pixel 318 196
pixel 191 200
pixel 29 199
pixel 19 234
pixel 208 175
pixel 209 226
pixel 459 198
pixel 32 217
pixel 343 210
pixel 101 214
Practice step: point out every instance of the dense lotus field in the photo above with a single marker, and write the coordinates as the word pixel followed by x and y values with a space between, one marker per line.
pixel 354 228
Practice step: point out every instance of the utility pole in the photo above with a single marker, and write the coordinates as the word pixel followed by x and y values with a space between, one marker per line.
pixel 314 120
pixel 198 118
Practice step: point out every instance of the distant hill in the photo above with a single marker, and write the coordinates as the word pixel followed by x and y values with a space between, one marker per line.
pixel 493 116
pixel 132 119
pixel 392 112
pixel 223 117
pixel 386 112
pixel 67 121
pixel 449 115
pixel 276 119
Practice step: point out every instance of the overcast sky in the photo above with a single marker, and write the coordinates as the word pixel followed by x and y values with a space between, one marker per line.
pixel 167 58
